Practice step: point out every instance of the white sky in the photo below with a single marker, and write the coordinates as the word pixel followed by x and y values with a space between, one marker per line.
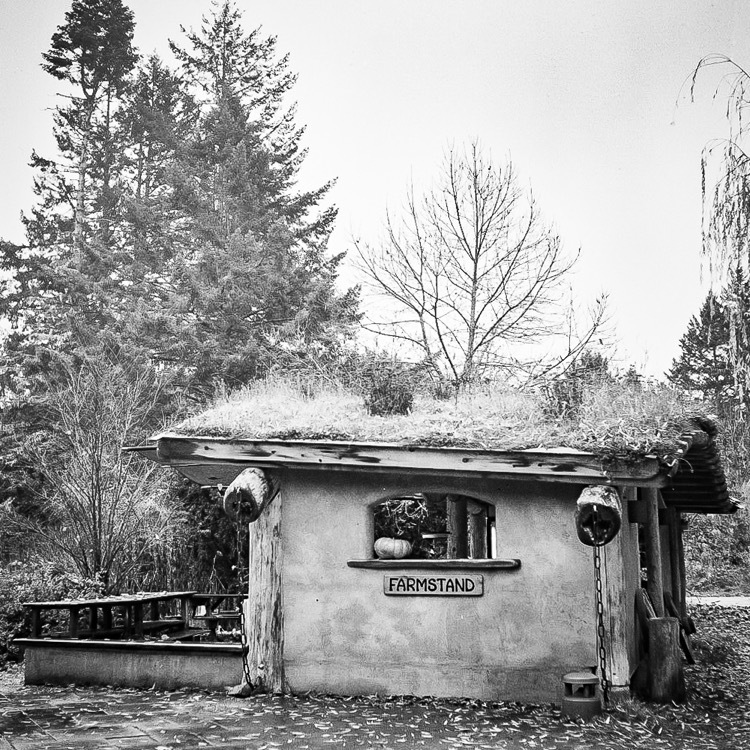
pixel 581 94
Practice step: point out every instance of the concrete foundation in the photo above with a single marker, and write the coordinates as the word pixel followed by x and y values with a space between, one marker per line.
pixel 166 666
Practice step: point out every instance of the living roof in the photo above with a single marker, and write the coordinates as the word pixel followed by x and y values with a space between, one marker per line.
pixel 613 419
pixel 618 433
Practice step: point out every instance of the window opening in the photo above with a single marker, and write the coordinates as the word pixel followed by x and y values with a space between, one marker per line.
pixel 439 526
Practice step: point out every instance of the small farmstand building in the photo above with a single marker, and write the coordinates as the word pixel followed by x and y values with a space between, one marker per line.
pixel 507 608
pixel 499 603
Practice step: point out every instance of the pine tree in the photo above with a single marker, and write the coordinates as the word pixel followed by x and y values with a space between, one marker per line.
pixel 257 282
pixel 704 366
pixel 62 279
pixel 93 52
pixel 170 223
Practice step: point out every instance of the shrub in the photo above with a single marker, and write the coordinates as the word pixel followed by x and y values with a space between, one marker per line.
pixel 33 580
pixel 388 387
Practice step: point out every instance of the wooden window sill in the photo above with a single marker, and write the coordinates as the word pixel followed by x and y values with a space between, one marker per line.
pixel 461 564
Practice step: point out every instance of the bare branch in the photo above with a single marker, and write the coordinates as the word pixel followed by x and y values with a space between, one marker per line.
pixel 474 268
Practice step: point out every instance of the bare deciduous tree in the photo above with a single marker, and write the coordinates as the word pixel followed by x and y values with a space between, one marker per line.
pixel 476 273
pixel 106 512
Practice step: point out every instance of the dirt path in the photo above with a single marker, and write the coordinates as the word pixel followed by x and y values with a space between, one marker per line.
pixel 714 717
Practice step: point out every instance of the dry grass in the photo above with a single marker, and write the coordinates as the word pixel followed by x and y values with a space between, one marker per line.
pixel 613 418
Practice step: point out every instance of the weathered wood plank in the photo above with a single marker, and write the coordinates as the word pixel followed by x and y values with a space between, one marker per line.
pixel 187 453
pixel 666 680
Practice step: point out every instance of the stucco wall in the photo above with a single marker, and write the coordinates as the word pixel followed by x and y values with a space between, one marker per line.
pixel 342 634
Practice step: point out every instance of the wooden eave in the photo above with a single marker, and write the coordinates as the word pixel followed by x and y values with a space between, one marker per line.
pixel 697 483
pixel 212 461
pixel 691 479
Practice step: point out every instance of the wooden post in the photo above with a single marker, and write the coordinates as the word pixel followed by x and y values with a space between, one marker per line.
pixel 138 620
pixel 666 680
pixel 616 604
pixel 683 574
pixel 652 540
pixel 456 512
pixel 185 609
pixel 249 497
pixel 264 616
pixel 477 530
pixel 74 621
pixel 674 557
pixel 36 622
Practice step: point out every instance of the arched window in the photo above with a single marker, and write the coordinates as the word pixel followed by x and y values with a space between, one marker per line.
pixel 439 526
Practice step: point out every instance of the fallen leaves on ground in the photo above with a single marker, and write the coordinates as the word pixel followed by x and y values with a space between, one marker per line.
pixel 714 716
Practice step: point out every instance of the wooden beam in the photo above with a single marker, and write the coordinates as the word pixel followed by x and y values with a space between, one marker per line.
pixel 652 539
pixel 230 456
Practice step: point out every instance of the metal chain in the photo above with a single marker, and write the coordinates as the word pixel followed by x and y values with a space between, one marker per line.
pixel 241 605
pixel 600 624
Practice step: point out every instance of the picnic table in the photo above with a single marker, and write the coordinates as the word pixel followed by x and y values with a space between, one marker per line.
pixel 140 613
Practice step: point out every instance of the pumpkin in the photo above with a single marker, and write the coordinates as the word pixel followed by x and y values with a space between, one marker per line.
pixel 388 549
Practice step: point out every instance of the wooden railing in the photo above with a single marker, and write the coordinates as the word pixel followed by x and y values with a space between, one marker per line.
pixel 137 616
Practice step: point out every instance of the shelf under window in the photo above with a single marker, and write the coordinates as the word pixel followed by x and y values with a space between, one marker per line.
pixel 459 564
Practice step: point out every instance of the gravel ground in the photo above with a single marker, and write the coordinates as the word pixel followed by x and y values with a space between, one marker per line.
pixel 715 716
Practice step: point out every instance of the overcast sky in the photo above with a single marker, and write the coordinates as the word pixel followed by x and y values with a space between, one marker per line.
pixel 585 97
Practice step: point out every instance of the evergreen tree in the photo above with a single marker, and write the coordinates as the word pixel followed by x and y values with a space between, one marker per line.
pixel 704 366
pixel 256 279
pixel 61 281
pixel 93 52
pixel 703 363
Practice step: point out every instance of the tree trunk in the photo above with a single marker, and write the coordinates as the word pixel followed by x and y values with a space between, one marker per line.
pixel 264 615
pixel 249 499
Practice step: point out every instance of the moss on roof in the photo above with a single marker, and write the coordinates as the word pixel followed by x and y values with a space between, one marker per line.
pixel 614 419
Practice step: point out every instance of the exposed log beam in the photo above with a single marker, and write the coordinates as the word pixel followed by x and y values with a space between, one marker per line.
pixel 184 453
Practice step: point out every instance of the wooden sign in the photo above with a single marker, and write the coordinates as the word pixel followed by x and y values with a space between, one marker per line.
pixel 442 585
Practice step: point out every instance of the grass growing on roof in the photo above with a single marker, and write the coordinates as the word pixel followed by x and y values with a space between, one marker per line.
pixel 613 418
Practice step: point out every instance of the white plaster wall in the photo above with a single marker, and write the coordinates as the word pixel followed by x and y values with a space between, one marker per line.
pixel 342 634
